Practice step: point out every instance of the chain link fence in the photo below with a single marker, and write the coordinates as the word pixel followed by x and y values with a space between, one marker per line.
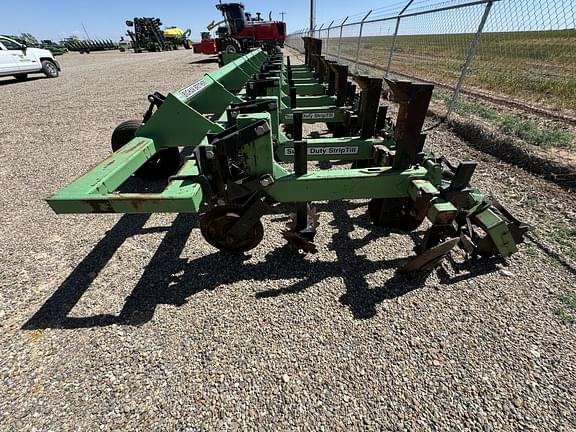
pixel 520 52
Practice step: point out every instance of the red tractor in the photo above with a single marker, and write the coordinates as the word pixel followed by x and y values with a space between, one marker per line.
pixel 238 32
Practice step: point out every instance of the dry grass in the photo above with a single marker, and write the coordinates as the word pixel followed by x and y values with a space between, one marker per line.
pixel 536 67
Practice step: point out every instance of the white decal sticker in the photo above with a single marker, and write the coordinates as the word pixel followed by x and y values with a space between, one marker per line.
pixel 314 116
pixel 325 151
pixel 190 91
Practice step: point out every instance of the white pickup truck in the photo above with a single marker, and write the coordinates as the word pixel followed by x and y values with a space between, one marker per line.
pixel 18 60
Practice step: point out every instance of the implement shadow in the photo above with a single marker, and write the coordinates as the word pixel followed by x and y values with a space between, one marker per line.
pixel 171 280
pixel 150 291
pixel 352 268
pixel 55 310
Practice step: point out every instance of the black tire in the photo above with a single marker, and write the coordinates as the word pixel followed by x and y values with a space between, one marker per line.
pixel 21 77
pixel 231 46
pixel 50 69
pixel 162 165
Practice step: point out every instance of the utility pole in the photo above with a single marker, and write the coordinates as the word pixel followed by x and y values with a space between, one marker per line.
pixel 312 17
pixel 282 13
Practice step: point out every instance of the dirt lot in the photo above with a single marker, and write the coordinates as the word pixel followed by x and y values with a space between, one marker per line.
pixel 135 323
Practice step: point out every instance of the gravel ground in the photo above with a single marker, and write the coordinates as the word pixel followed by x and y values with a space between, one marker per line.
pixel 135 323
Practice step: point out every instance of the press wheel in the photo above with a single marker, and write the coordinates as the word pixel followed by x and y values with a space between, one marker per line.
pixel 216 223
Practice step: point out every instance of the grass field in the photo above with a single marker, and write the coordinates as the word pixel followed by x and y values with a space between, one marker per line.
pixel 536 67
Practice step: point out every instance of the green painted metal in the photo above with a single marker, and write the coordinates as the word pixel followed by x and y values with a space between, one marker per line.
pixel 187 116
pixel 179 122
pixel 498 231
pixel 377 182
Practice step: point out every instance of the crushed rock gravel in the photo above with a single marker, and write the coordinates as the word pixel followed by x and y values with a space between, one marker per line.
pixel 111 322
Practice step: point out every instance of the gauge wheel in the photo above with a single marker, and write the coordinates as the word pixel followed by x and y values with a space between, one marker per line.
pixel 162 165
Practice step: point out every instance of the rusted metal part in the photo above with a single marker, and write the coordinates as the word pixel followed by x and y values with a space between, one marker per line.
pixel 430 258
pixel 299 234
pixel 413 100
pixel 369 104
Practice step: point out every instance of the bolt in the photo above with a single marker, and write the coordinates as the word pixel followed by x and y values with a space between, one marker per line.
pixel 266 182
pixel 221 202
pixel 209 154
pixel 260 130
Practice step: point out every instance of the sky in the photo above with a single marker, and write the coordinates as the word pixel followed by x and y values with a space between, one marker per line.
pixel 57 19
pixel 106 19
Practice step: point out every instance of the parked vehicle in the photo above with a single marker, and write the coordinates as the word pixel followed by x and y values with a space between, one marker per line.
pixel 18 60
pixel 239 32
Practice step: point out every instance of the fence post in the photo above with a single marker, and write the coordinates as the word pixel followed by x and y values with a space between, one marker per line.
pixel 320 32
pixel 469 58
pixel 340 38
pixel 395 37
pixel 360 40
pixel 328 38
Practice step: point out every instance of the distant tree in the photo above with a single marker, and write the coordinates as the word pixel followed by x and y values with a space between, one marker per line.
pixel 29 39
pixel 26 38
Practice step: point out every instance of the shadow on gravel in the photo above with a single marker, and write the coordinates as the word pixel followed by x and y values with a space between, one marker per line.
pixel 552 254
pixel 15 81
pixel 170 279
pixel 205 61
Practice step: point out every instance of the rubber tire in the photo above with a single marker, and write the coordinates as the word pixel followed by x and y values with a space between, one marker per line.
pixel 231 46
pixel 21 77
pixel 162 165
pixel 50 69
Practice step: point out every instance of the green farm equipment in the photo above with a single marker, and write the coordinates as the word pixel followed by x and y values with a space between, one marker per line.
pixel 55 48
pixel 147 35
pixel 87 46
pixel 241 129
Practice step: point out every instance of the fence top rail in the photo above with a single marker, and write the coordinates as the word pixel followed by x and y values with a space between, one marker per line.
pixel 412 14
